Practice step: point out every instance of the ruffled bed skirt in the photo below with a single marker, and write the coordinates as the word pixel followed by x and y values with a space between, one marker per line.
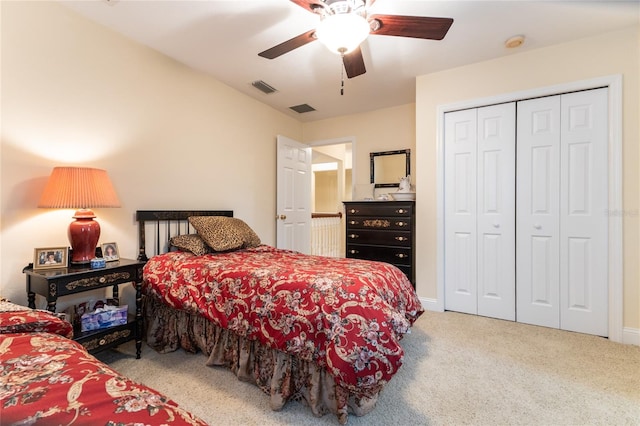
pixel 283 377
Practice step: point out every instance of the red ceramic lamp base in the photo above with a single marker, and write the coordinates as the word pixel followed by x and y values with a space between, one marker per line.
pixel 84 234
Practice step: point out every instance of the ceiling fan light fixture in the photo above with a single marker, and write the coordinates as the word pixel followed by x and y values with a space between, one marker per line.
pixel 342 33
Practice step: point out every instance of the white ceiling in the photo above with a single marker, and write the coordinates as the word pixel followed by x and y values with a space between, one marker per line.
pixel 223 38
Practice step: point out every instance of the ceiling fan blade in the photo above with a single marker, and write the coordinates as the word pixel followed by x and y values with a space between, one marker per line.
pixel 411 26
pixel 354 63
pixel 289 45
pixel 310 5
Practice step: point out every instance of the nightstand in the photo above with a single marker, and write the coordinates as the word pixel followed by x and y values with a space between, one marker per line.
pixel 53 283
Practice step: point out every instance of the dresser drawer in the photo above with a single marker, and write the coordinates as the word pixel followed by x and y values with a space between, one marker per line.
pixel 394 255
pixel 407 270
pixel 379 209
pixel 378 223
pixel 100 279
pixel 98 340
pixel 385 238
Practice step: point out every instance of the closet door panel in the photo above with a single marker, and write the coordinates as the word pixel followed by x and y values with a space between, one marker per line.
pixel 496 211
pixel 460 211
pixel 537 209
pixel 584 236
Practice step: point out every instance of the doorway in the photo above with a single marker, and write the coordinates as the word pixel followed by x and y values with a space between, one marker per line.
pixel 297 191
pixel 331 184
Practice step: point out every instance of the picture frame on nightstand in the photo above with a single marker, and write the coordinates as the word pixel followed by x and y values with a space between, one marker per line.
pixel 50 257
pixel 110 252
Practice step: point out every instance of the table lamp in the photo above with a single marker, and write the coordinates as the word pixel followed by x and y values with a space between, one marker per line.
pixel 81 188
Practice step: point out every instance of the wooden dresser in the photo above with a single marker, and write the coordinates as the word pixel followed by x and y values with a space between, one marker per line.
pixel 384 231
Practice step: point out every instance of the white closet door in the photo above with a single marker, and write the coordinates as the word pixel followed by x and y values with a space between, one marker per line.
pixel 538 197
pixel 460 267
pixel 562 197
pixel 583 220
pixel 496 211
pixel 480 211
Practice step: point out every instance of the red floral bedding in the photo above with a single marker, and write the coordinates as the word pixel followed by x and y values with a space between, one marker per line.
pixel 48 379
pixel 17 319
pixel 346 315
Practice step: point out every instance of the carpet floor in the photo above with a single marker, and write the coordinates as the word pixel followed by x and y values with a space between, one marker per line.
pixel 459 370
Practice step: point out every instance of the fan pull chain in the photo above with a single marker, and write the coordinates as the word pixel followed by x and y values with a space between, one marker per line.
pixel 342 75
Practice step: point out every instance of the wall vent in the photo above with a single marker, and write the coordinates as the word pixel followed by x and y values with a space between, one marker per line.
pixel 263 87
pixel 302 108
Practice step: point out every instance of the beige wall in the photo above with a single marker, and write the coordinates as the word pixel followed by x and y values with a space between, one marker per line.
pixel 326 192
pixel 608 54
pixel 74 93
pixel 382 130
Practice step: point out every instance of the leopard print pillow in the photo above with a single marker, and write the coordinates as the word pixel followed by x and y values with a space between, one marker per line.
pixel 190 242
pixel 223 233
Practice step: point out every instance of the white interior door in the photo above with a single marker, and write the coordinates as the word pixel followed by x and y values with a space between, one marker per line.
pixel 538 230
pixel 583 222
pixel 293 214
pixel 496 211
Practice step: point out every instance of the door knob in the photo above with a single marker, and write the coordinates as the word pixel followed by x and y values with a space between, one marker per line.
pixel 496 225
pixel 537 226
pixel 281 217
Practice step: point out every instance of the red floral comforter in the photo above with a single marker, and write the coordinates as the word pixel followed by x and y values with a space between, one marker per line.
pixel 346 315
pixel 48 379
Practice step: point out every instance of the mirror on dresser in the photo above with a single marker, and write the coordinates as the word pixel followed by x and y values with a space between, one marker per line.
pixel 387 167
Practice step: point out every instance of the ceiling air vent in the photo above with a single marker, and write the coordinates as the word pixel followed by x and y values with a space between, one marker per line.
pixel 263 87
pixel 302 108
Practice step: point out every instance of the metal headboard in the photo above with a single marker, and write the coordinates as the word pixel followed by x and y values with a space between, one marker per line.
pixel 167 223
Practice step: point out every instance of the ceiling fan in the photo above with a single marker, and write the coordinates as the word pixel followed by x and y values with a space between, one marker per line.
pixel 344 24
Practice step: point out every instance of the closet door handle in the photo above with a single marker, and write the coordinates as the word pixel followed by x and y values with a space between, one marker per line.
pixel 537 226
pixel 496 225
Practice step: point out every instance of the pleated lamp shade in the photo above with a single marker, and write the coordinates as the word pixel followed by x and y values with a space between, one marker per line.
pixel 81 188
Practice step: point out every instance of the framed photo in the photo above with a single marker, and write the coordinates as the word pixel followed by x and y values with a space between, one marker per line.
pixel 110 252
pixel 50 257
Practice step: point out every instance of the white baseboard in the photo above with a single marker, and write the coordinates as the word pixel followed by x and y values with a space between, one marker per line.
pixel 630 336
pixel 432 304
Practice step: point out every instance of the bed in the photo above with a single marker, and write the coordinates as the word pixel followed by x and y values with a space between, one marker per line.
pixel 46 378
pixel 324 331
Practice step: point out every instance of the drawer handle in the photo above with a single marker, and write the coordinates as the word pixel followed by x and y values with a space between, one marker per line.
pixel 354 251
pixel 400 211
pixel 102 280
pixel 354 236
pixel 102 342
pixel 401 238
pixel 353 211
pixel 353 222
pixel 401 255
pixel 401 223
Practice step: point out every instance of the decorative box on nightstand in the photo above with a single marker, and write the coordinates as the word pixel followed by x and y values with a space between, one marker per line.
pixel 53 283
